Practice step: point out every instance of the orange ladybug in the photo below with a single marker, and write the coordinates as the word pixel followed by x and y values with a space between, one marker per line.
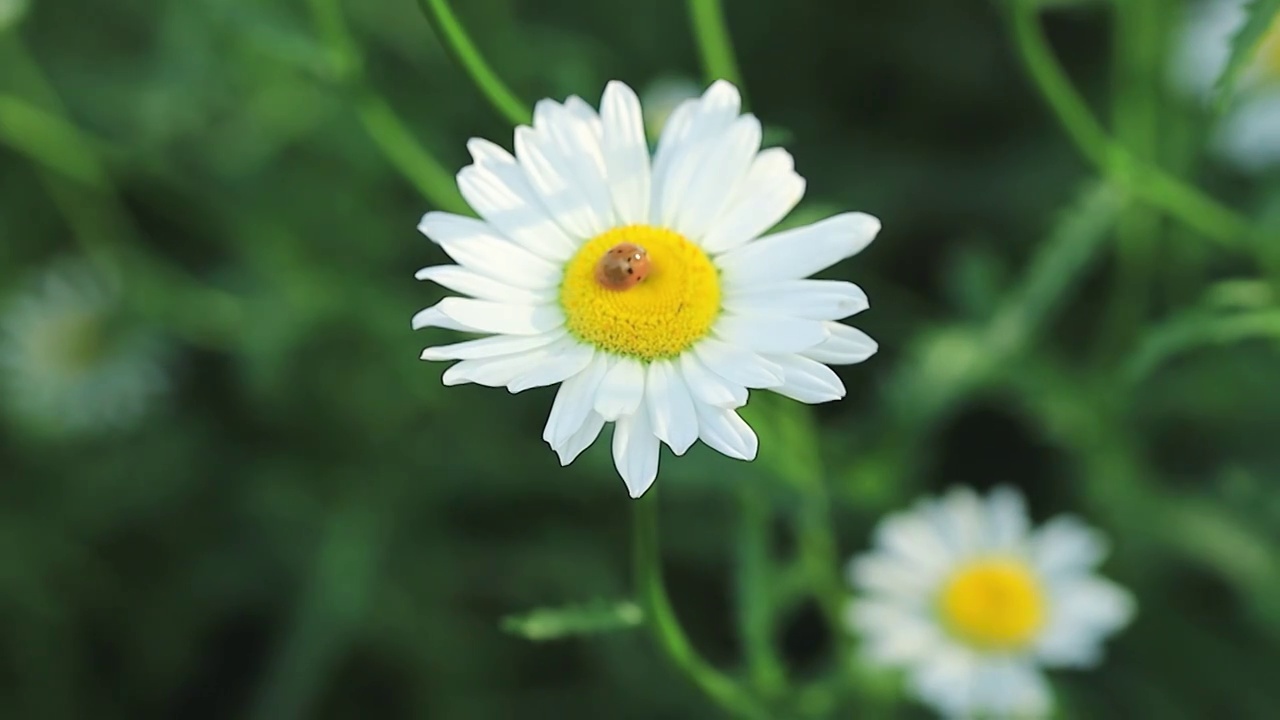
pixel 623 267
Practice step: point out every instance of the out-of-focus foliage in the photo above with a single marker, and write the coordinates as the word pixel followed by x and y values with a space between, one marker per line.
pixel 311 526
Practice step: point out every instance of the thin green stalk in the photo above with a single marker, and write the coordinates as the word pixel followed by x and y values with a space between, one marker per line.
pixel 455 38
pixel 328 614
pixel 714 42
pixel 1146 183
pixel 1139 53
pixel 387 130
pixel 661 619
pixel 756 579
pixel 77 181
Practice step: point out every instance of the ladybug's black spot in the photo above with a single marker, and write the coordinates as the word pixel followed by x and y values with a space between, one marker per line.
pixel 630 271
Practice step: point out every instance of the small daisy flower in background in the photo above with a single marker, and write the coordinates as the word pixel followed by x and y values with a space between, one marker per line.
pixel 1249 135
pixel 972 603
pixel 661 97
pixel 12 11
pixel 643 285
pixel 69 364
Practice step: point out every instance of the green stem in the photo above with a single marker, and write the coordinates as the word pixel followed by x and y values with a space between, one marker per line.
pixel 1138 42
pixel 77 181
pixel 756 579
pixel 455 38
pixel 661 619
pixel 387 130
pixel 1147 183
pixel 714 42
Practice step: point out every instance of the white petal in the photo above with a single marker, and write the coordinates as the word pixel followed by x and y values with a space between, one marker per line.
pixel 1010 688
pixel 499 191
pixel 738 365
pixel 470 282
pixel 626 154
pixel 768 192
pixel 914 540
pixel 621 391
pixel 903 583
pixel 671 410
pixel 892 635
pixel 490 372
pixel 806 380
pixel 844 345
pixel 576 138
pixel 580 440
pixel 1006 517
pixel 1085 610
pixel 492 317
pixel 798 253
pixel 1064 544
pixel 946 681
pixel 635 451
pixel 432 317
pixel 810 299
pixel 703 179
pixel 770 333
pixel 583 112
pixel 573 402
pixel 722 430
pixel 553 177
pixel 491 346
pixel 475 245
pixel 690 124
pixel 709 387
pixel 556 363
pixel 961 516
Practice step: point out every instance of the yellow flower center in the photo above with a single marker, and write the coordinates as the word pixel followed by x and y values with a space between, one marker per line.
pixel 993 604
pixel 660 316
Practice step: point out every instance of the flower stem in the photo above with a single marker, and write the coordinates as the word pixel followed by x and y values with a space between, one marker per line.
pixel 1113 160
pixel 714 43
pixel 660 617
pixel 756 577
pixel 455 38
pixel 388 131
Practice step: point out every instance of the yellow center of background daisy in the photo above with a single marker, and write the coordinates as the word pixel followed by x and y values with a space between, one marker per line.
pixel 659 317
pixel 1269 52
pixel 993 604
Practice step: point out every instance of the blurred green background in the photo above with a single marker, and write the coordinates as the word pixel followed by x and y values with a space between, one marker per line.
pixel 305 524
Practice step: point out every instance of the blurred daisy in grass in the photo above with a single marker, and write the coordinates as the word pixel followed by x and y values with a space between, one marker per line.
pixel 972 603
pixel 1249 135
pixel 641 284
pixel 68 362
pixel 661 97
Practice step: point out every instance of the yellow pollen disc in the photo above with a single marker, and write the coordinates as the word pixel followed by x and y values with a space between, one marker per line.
pixel 658 317
pixel 993 604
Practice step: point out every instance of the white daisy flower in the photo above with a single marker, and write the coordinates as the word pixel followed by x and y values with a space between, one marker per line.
pixel 70 365
pixel 644 285
pixel 972 603
pixel 1249 135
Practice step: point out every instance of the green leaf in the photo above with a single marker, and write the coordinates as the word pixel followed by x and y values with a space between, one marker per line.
pixel 1259 16
pixel 599 616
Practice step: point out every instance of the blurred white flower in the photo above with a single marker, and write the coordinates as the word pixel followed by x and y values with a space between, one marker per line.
pixel 69 363
pixel 962 594
pixel 11 11
pixel 661 97
pixel 1249 135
